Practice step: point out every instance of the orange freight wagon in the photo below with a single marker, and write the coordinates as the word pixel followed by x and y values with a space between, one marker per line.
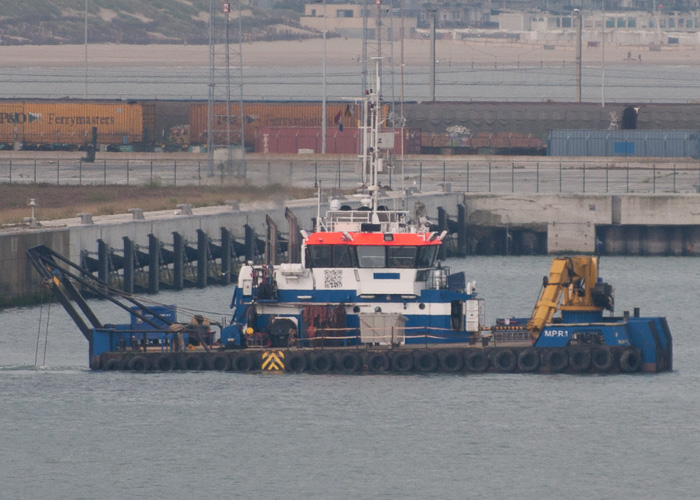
pixel 348 141
pixel 47 123
pixel 269 114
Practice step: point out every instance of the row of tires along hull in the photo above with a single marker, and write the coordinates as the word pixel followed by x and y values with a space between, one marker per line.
pixel 597 359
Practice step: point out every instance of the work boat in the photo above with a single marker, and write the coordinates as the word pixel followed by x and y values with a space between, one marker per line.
pixel 368 275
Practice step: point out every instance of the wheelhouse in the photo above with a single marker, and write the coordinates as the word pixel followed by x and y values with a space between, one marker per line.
pixel 372 251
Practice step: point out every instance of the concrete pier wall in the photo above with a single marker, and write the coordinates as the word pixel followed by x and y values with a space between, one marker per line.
pixel 70 237
pixel 569 220
pixel 630 224
pixel 17 278
pixel 633 224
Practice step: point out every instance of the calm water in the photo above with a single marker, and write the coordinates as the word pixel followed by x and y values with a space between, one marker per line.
pixel 68 433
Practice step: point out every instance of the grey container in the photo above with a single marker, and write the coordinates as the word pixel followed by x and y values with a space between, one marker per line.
pixel 626 143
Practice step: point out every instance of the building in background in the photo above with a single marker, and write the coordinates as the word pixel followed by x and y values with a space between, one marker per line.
pixel 347 20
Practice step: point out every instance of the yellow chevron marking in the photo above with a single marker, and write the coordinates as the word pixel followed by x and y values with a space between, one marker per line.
pixel 273 361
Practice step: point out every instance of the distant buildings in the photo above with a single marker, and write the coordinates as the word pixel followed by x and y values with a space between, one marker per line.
pixel 626 27
pixel 614 21
pixel 348 20
pixel 513 19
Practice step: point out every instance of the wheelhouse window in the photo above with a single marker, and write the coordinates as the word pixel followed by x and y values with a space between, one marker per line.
pixel 371 256
pixel 427 256
pixel 344 256
pixel 330 256
pixel 319 256
pixel 402 256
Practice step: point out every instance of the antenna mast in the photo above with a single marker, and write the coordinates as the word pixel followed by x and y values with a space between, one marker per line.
pixel 225 76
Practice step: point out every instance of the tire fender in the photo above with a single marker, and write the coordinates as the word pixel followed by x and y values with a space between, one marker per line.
pixel 529 360
pixel 164 363
pixel 138 364
pixel 451 361
pixel 378 362
pixel 402 362
pixel 194 362
pixel 322 362
pixel 218 362
pixel 476 360
pixel 630 361
pixel 557 360
pixel 425 361
pixel 296 362
pixel 505 361
pixel 580 360
pixel 349 362
pixel 602 359
pixel 241 362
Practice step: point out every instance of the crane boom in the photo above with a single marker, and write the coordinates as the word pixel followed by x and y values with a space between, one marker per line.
pixel 574 282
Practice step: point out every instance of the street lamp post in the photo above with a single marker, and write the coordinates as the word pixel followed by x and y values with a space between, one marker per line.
pixel 86 49
pixel 579 31
pixel 433 28
pixel 323 116
pixel 602 83
pixel 226 8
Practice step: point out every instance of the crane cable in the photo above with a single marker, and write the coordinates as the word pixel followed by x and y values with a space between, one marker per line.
pixel 38 334
pixel 46 334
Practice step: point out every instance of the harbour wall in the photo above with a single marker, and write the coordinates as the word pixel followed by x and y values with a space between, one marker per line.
pixel 627 224
pixel 630 224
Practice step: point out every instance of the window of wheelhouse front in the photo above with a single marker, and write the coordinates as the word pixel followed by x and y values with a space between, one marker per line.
pixel 318 256
pixel 344 256
pixel 371 256
pixel 402 256
pixel 427 256
pixel 331 256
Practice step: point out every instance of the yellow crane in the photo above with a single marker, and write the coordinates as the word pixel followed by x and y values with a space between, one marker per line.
pixel 574 282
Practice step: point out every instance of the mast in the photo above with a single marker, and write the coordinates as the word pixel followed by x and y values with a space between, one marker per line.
pixel 375 141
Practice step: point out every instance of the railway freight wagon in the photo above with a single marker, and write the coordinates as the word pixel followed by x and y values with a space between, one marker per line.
pixel 296 140
pixel 66 125
pixel 523 127
pixel 268 114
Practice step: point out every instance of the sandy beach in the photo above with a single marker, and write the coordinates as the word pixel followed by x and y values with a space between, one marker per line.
pixel 344 52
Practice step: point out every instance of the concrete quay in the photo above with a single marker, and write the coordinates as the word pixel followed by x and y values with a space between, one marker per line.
pixel 625 224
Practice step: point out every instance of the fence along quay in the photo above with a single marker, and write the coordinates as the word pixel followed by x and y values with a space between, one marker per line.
pixel 471 174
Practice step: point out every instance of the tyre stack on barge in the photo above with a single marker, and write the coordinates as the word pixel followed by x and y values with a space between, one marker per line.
pixel 467 360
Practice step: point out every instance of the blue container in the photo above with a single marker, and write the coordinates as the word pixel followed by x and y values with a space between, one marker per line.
pixel 167 312
pixel 625 143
